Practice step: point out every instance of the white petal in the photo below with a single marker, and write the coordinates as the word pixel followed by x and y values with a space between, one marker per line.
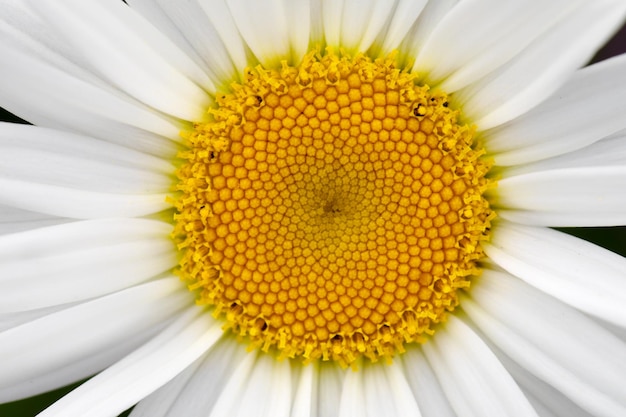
pixel 617 331
pixel 234 389
pixel 405 14
pixel 573 270
pixel 81 260
pixel 362 22
pixel 304 403
pixel 14 220
pixel 122 48
pixel 190 27
pixel 218 13
pixel 9 320
pixel 77 167
pixel 274 30
pixel 299 26
pixel 473 379
pixel 547 400
pixel 430 16
pixel 144 370
pixel 331 16
pixel 425 386
pixel 73 343
pixel 57 99
pixel 478 36
pixel 538 71
pixel 76 370
pixel 175 23
pixel 355 25
pixel 210 379
pixel 330 389
pixel 60 141
pixel 387 391
pixel 24 30
pixel 585 196
pixel 316 36
pixel 47 156
pixel 586 109
pixel 76 235
pixel 267 391
pixel 259 385
pixel 553 341
pixel 78 204
pixel 159 403
pixel 353 395
pixel 610 151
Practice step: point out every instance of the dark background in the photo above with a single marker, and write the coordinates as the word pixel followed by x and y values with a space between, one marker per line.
pixel 613 238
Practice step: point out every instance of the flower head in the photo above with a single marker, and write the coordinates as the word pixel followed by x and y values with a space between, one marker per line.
pixel 312 207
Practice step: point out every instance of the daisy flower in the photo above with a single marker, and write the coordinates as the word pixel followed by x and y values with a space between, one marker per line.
pixel 312 208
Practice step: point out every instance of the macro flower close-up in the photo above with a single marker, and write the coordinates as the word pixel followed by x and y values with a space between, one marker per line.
pixel 312 208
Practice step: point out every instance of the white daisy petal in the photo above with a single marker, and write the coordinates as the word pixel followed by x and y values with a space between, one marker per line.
pixel 426 389
pixel 173 23
pixel 387 392
pixel 159 403
pixel 78 204
pixel 404 17
pixel 353 395
pixel 478 36
pixel 316 37
pixel 144 370
pixel 473 379
pixel 81 260
pixel 362 22
pixel 586 109
pixel 47 156
pixel 304 403
pixel 331 16
pixel 617 331
pixel 9 320
pixel 48 241
pixel 430 16
pixel 543 335
pixel 76 370
pixel 610 151
pixel 299 26
pixel 234 389
pixel 218 13
pixel 551 261
pixel 111 31
pixel 330 390
pixel 14 220
pixel 269 391
pixel 353 24
pixel 24 30
pixel 192 30
pixel 57 99
pixel 521 84
pixel 87 177
pixel 547 401
pixel 73 343
pixel 210 378
pixel 274 30
pixel 564 197
pixel 265 393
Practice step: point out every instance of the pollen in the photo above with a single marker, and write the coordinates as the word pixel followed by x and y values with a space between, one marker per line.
pixel 331 210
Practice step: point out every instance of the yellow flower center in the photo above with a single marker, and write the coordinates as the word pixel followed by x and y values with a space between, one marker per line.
pixel 331 210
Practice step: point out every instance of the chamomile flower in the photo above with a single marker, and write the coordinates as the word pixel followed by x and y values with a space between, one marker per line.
pixel 312 208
